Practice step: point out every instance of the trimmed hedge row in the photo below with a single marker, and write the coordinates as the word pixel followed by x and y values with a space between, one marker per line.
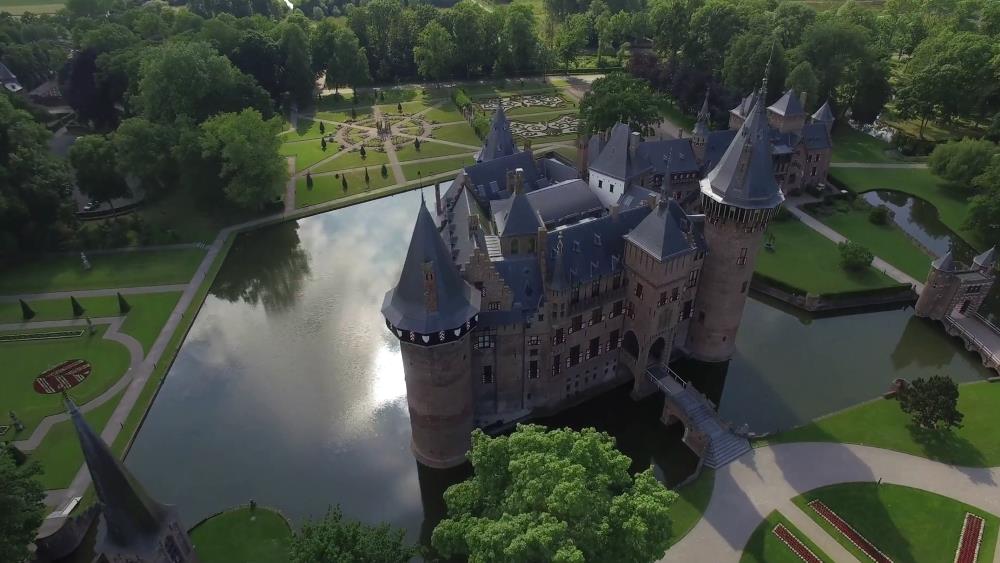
pixel 778 284
pixel 875 292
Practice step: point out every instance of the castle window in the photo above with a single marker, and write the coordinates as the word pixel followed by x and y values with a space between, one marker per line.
pixel 596 316
pixel 595 288
pixel 574 297
pixel 600 183
pixel 973 289
pixel 532 341
pixel 613 339
pixel 487 374
pixel 513 246
pixel 533 369
pixel 560 336
pixel 616 281
pixel 574 356
pixel 813 173
pixel 686 311
pixel 576 324
pixel 630 310
pixel 494 306
pixel 638 290
pixel 675 293
pixel 742 259
pixel 662 300
pixel 744 288
pixel 611 188
pixel 692 278
pixel 484 341
pixel 556 364
pixel 616 309
pixel 594 349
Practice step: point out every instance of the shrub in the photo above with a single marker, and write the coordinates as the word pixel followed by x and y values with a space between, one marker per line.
pixel 855 257
pixel 879 215
pixel 932 402
pixel 959 162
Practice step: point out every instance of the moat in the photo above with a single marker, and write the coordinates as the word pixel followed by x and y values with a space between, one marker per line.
pixel 289 389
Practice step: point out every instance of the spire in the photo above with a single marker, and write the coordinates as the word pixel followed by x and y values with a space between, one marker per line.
pixel 559 280
pixel 129 514
pixel 665 186
pixel 701 126
pixel 986 260
pixel 499 141
pixel 520 219
pixel 945 263
pixel 824 114
pixel 430 296
pixel 767 72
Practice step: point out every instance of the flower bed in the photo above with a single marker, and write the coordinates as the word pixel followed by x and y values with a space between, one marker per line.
pixel 971 538
pixel 798 548
pixel 859 541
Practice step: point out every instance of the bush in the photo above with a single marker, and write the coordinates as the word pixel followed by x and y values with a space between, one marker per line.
pixel 879 215
pixel 460 98
pixel 912 146
pixel 932 402
pixel 855 257
pixel 960 161
pixel 481 124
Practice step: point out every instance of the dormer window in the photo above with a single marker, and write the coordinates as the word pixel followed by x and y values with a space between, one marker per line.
pixel 576 246
pixel 597 239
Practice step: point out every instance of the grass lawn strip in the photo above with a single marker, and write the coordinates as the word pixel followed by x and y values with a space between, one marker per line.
pixel 432 167
pixel 147 316
pixel 428 149
pixel 970 539
pixel 260 536
pixel 446 112
pixel 794 544
pixel 851 145
pixel 330 186
pixel 307 153
pixel 352 159
pixel 459 133
pixel 692 500
pixel 111 270
pixel 307 129
pixel 767 546
pixel 852 535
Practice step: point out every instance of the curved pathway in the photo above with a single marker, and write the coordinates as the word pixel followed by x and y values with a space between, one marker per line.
pixel 767 478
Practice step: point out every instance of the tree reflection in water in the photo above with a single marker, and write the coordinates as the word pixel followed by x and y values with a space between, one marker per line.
pixel 267 266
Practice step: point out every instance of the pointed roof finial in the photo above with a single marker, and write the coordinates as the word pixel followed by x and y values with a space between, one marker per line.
pixel 767 71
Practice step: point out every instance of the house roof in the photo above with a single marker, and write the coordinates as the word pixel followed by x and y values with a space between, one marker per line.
pixel 744 175
pixel 743 108
pixel 499 142
pixel 816 136
pixel 824 114
pixel 788 105
pixel 407 306
pixel 518 218
pixel 616 159
pixel 987 259
pixel 682 158
pixel 489 178
pixel 591 248
pixel 668 232
pixel 457 232
pixel 565 202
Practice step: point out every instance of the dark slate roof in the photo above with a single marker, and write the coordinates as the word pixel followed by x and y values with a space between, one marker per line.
pixel 815 136
pixel 750 185
pixel 701 126
pixel 460 239
pixel 987 259
pixel 945 263
pixel 489 179
pixel 591 248
pixel 716 145
pixel 518 217
pixel 131 517
pixel 594 146
pixel 668 232
pixel 524 280
pixel 824 114
pixel 565 202
pixel 405 306
pixel 556 171
pixel 615 159
pixel 682 156
pixel 745 104
pixel 499 142
pixel 788 105
pixel 634 196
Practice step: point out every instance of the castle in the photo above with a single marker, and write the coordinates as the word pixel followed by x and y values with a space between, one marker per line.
pixel 530 288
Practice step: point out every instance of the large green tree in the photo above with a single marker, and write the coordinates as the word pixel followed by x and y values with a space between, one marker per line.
pixel 95 164
pixel 554 495
pixel 335 540
pixel 21 507
pixel 518 45
pixel 932 402
pixel 299 80
pixel 960 162
pixel 745 63
pixel 435 52
pixel 984 209
pixel 344 67
pixel 144 149
pixel 618 97
pixel 803 79
pixel 246 148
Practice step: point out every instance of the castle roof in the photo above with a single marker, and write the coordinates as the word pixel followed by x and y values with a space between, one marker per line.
pixel 824 114
pixel 787 105
pixel 987 259
pixel 945 263
pixel 560 203
pixel 408 306
pixel 458 233
pixel 743 108
pixel 668 232
pixel 591 248
pixel 682 159
pixel 701 125
pixel 131 518
pixel 499 141
pixel 489 179
pixel 816 136
pixel 616 160
pixel 517 219
pixel 744 175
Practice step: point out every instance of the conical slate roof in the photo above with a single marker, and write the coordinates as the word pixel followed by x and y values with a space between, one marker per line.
pixel 130 516
pixel 701 126
pixel 788 105
pixel 945 263
pixel 824 114
pixel 987 259
pixel 744 175
pixel 666 232
pixel 616 159
pixel 745 104
pixel 500 141
pixel 520 219
pixel 428 263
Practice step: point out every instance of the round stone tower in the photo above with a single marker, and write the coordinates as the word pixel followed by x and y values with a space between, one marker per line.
pixel 739 197
pixel 432 311
pixel 940 289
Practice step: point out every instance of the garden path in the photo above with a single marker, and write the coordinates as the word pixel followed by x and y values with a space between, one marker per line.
pixel 390 149
pixel 766 478
pixel 94 292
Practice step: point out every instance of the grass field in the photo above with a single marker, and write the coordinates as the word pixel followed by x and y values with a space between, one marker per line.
pixel 262 536
pixel 409 108
pixel 148 315
pixel 882 424
pixel 908 525
pixel 691 503
pixel 189 219
pixel 24 361
pixel 765 547
pixel 886 241
pixel 952 205
pixel 352 159
pixel 343 115
pixel 432 167
pixel 329 187
pixel 428 149
pixel 460 133
pixel 851 145
pixel 445 112
pixel 805 259
pixel 308 129
pixel 307 153
pixel 123 269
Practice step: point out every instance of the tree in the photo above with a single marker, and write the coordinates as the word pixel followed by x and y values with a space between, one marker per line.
pixel 854 256
pixel 27 313
pixel 932 402
pixel 746 60
pixel 416 144
pixel 384 171
pixel 335 540
pixel 368 179
pixel 959 162
pixel 518 44
pixel 246 146
pixel 322 143
pixel 790 20
pixel 298 78
pixel 22 509
pixel 554 495
pixel 570 38
pixel 803 79
pixel 435 52
pixel 879 215
pixel 363 152
pixel 993 133
pixel 984 208
pixel 258 55
pixel 78 309
pixel 123 306
pixel 309 180
pixel 343 182
pixel 713 26
pixel 144 149
pixel 618 97
pixel 322 128
pixel 94 161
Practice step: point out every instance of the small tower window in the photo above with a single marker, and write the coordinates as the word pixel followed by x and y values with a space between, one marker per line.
pixel 487 375
pixel 533 369
pixel 638 290
pixel 556 364
pixel 692 278
pixel 742 259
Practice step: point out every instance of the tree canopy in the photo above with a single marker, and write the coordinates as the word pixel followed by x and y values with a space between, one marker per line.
pixel 554 495
pixel 960 162
pixel 932 402
pixel 246 148
pixel 618 97
pixel 21 507
pixel 335 540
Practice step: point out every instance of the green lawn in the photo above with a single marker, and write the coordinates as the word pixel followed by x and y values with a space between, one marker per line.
pixel 691 503
pixel 179 217
pixel 432 167
pixel 805 259
pixel 148 315
pixel 262 536
pixel 307 153
pixel 952 205
pixel 59 453
pixel 17 7
pixel 885 241
pixel 24 361
pixel 765 547
pixel 329 187
pixel 460 133
pixel 908 525
pixel 307 129
pixel 122 269
pixel 444 113
pixel 409 108
pixel 343 114
pixel 882 424
pixel 353 159
pixel 428 149
pixel 851 145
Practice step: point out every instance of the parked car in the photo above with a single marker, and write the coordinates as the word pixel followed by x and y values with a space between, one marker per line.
pixel 92 206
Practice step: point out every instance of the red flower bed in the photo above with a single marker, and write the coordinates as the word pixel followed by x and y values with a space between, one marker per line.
pixel 968 542
pixel 850 533
pixel 793 543
pixel 64 376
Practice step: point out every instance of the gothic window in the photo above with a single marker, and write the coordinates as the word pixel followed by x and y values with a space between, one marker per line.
pixel 595 288
pixel 574 356
pixel 596 316
pixel 974 289
pixel 692 278
pixel 613 339
pixel 616 309
pixel 560 337
pixel 600 183
pixel 662 300
pixel 533 369
pixel 533 341
pixel 630 310
pixel 611 188
pixel 487 374
pixel 594 349
pixel 638 290
pixel 556 364
pixel 675 293
pixel 484 341
pixel 686 311
pixel 742 259
pixel 576 324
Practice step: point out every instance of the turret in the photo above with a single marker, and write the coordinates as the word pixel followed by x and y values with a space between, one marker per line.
pixel 432 312
pixel 940 289
pixel 739 197
pixel 825 116
pixel 133 526
pixel 786 114
pixel 499 141
pixel 699 136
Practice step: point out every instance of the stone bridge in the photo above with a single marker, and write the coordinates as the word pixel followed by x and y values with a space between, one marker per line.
pixel 704 431
pixel 979 335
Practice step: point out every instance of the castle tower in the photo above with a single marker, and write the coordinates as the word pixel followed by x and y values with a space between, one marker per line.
pixel 432 312
pixel 132 527
pixel 940 290
pixel 739 197
pixel 825 116
pixel 699 136
pixel 786 114
pixel 499 141
pixel 951 288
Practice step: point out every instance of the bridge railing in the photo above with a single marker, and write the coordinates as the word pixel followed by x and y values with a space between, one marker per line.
pixel 983 348
pixel 988 323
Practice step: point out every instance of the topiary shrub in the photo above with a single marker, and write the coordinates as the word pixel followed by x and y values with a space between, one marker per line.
pixel 879 215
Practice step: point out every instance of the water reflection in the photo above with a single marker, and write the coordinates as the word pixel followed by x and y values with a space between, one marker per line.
pixel 267 267
pixel 919 219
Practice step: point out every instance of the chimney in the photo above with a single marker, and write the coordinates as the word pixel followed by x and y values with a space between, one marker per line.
pixel 614 211
pixel 651 201
pixel 437 196
pixel 511 181
pixel 519 180
pixel 633 143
